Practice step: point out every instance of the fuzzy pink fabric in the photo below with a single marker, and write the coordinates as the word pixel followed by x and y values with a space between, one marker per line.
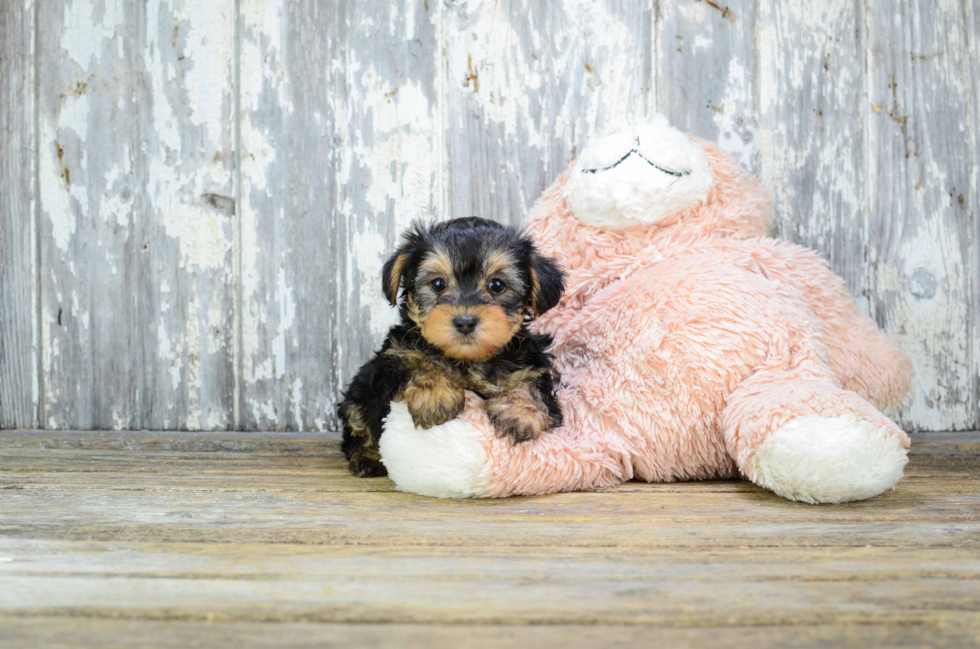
pixel 682 345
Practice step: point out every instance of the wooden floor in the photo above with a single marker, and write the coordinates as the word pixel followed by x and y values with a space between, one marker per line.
pixel 142 539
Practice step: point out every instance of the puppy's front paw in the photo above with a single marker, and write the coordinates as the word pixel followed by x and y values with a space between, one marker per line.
pixel 366 467
pixel 433 403
pixel 519 414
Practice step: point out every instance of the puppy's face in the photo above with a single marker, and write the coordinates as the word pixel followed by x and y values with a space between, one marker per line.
pixel 470 283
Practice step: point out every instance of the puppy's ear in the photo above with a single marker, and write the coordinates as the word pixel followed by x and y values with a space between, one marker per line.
pixel 547 283
pixel 391 274
pixel 414 239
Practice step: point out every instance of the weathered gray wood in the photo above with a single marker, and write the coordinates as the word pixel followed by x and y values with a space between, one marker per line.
pixel 185 168
pixel 136 167
pixel 528 83
pixel 160 541
pixel 920 232
pixel 812 99
pixel 18 246
pixel 194 489
pixel 340 113
pixel 168 296
pixel 972 13
pixel 90 235
pixel 965 443
pixel 955 631
pixel 289 67
pixel 709 86
pixel 336 584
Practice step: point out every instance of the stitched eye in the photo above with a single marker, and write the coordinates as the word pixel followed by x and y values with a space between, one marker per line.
pixel 496 286
pixel 438 285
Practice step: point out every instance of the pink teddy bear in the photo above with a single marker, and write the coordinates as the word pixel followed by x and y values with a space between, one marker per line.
pixel 688 346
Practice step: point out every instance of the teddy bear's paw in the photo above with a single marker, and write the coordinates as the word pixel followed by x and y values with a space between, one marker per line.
pixel 446 461
pixel 818 459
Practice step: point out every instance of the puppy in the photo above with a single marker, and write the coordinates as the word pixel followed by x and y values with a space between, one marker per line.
pixel 468 289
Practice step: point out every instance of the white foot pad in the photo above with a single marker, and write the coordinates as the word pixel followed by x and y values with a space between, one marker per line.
pixel 446 461
pixel 829 460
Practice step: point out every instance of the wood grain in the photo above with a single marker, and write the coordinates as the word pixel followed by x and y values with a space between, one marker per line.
pixel 710 86
pixel 198 197
pixel 957 630
pixel 290 148
pixel 527 84
pixel 223 539
pixel 186 211
pixel 90 237
pixel 18 247
pixel 972 24
pixel 922 277
pixel 811 94
pixel 336 164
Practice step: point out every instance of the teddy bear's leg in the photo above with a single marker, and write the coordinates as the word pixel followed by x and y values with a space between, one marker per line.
pixel 863 358
pixel 467 458
pixel 795 431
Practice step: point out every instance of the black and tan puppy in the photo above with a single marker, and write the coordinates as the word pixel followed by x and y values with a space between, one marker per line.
pixel 468 289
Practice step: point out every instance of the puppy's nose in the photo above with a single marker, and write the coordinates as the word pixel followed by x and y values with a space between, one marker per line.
pixel 465 324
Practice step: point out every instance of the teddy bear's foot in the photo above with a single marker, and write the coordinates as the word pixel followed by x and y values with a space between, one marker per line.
pixel 446 461
pixel 466 458
pixel 818 459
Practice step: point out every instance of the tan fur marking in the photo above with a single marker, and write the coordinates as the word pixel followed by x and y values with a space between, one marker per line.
pixel 438 327
pixel 397 270
pixel 535 290
pixel 501 264
pixel 354 415
pixel 417 361
pixel 520 379
pixel 365 462
pixel 494 330
pixel 365 459
pixel 437 262
pixel 432 399
pixel 520 414
pixel 413 310
pixel 497 261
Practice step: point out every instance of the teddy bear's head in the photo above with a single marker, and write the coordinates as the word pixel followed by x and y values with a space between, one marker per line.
pixel 638 175
pixel 648 181
pixel 642 186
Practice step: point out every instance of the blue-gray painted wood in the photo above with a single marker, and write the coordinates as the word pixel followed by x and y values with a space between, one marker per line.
pixel 921 248
pixel 18 248
pixel 197 197
pixel 90 215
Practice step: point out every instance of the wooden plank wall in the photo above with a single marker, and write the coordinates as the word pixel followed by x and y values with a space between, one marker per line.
pixel 198 197
pixel 18 200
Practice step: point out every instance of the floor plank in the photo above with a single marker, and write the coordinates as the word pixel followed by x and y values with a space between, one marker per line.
pixel 236 539
pixel 74 632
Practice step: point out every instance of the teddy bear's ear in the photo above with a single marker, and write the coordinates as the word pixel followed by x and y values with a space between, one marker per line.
pixel 547 283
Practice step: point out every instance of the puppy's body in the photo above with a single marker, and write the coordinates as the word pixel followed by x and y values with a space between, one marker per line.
pixel 407 368
pixel 469 288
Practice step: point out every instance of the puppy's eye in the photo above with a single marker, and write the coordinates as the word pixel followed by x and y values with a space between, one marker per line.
pixel 496 286
pixel 438 285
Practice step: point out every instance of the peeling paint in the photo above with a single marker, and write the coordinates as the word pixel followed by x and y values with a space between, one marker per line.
pixel 87 25
pixel 861 131
pixel 736 131
pixel 57 197
pixel 369 253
